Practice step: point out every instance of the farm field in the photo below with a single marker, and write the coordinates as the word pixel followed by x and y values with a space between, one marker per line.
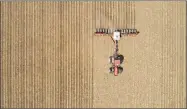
pixel 50 57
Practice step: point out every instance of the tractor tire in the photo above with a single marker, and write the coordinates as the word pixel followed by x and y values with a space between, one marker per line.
pixel 121 58
pixel 110 59
pixel 120 69
pixel 111 70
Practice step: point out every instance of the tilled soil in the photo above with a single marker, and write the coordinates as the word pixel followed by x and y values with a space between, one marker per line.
pixel 50 57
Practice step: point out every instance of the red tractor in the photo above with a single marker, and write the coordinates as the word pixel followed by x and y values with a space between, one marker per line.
pixel 116 59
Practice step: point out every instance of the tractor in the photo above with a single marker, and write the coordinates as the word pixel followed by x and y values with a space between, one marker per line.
pixel 116 59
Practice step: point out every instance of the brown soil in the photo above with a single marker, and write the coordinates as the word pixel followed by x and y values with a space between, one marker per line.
pixel 50 57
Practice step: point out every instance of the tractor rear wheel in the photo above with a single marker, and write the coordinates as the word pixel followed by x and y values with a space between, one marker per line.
pixel 121 58
pixel 110 59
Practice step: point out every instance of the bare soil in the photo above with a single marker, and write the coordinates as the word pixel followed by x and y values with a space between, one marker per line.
pixel 50 57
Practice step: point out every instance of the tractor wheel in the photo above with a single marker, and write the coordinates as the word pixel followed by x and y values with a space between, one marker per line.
pixel 120 69
pixel 121 58
pixel 111 70
pixel 110 59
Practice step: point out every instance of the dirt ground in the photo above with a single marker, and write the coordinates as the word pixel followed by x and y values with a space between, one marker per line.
pixel 50 57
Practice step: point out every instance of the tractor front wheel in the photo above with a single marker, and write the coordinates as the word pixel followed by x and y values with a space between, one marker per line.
pixel 120 69
pixel 111 70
